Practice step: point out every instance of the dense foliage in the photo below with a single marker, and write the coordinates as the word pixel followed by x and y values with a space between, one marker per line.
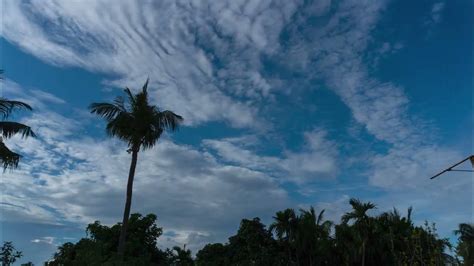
pixel 294 238
pixel 306 239
pixel 100 245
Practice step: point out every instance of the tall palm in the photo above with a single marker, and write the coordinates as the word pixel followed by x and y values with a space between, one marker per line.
pixel 8 129
pixel 361 221
pixel 139 124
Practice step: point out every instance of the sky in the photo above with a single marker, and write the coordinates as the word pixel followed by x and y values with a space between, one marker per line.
pixel 286 104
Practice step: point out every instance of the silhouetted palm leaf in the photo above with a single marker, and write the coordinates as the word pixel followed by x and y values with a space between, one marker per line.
pixel 7 107
pixel 8 129
pixel 465 232
pixel 8 158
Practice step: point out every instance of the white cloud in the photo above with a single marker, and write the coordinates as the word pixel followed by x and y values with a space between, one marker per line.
pixel 198 54
pixel 334 210
pixel 410 166
pixel 434 17
pixel 46 239
pixel 436 11
pixel 40 100
pixel 317 159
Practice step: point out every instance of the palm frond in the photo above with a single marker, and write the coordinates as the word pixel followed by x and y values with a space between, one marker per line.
pixel 320 217
pixel 108 110
pixel 145 87
pixel 8 158
pixel 8 129
pixel 409 212
pixel 347 217
pixel 169 120
pixel 150 138
pixel 465 232
pixel 120 103
pixel 360 206
pixel 130 95
pixel 7 106
pixel 121 127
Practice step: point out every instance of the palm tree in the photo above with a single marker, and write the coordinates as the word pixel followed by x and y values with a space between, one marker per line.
pixel 181 256
pixel 284 227
pixel 465 247
pixel 466 232
pixel 361 221
pixel 283 224
pixel 313 235
pixel 8 129
pixel 139 124
pixel 394 230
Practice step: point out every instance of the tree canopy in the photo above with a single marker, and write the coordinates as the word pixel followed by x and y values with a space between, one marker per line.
pixel 301 237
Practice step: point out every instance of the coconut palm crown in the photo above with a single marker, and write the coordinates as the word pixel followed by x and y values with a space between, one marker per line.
pixel 134 120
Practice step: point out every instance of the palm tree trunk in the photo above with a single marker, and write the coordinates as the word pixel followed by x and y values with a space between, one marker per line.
pixel 289 253
pixel 128 203
pixel 363 253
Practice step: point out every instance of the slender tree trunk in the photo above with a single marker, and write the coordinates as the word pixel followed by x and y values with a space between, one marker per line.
pixel 289 253
pixel 128 203
pixel 363 253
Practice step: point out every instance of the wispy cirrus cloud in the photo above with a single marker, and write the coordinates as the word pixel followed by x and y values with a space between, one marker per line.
pixel 336 53
pixel 207 63
pixel 203 57
pixel 316 160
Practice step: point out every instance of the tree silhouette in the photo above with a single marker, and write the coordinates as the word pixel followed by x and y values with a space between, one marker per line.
pixel 213 255
pixel 252 245
pixel 180 256
pixel 285 228
pixel 391 239
pixel 361 221
pixel 139 124
pixel 465 248
pixel 8 254
pixel 100 245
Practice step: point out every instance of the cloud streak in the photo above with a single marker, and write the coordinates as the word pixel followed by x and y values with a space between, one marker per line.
pixel 316 160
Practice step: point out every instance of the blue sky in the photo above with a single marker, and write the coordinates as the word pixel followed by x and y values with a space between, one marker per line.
pixel 286 104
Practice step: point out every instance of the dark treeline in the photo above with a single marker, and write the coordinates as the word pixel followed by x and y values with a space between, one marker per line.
pixel 294 238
